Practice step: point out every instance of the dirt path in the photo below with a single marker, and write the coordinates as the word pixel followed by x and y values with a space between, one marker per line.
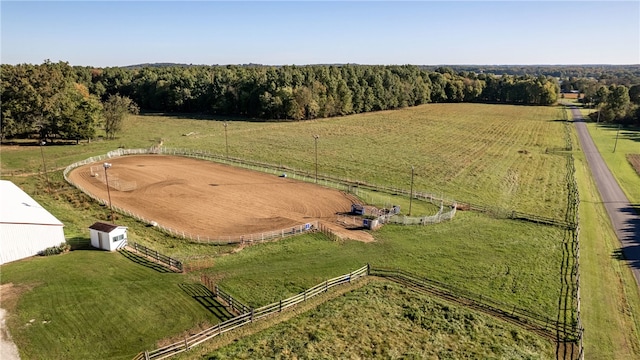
pixel 626 223
pixel 8 350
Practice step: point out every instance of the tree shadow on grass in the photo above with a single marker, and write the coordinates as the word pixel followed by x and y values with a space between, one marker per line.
pixel 141 260
pixel 626 132
pixel 630 251
pixel 206 298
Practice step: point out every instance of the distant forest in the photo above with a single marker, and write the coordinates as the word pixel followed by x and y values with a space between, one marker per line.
pixel 57 99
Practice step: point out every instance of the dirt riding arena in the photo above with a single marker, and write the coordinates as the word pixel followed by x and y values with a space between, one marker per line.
pixel 214 200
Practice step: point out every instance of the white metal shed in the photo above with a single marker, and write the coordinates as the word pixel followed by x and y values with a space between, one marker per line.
pixel 26 228
pixel 107 236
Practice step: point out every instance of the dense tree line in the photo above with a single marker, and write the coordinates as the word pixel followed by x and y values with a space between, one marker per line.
pixel 615 103
pixel 46 100
pixel 607 74
pixel 60 100
pixel 308 92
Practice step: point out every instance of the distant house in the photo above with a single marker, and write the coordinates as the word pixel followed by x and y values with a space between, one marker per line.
pixel 107 236
pixel 26 228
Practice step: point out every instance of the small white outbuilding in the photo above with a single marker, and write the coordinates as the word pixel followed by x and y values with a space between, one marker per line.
pixel 107 236
pixel 26 228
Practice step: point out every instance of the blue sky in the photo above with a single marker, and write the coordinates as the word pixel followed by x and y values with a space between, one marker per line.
pixel 119 33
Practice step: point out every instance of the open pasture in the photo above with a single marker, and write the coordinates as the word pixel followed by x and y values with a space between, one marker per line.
pixel 495 155
pixel 463 151
pixel 414 326
pixel 214 200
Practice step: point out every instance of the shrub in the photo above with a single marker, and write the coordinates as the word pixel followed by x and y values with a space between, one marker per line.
pixel 55 250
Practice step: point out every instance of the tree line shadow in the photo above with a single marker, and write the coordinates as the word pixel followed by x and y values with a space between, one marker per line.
pixel 630 252
pixel 626 132
pixel 208 117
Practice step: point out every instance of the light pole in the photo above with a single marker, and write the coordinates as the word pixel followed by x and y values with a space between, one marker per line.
pixel 616 143
pixel 411 195
pixel 226 141
pixel 315 139
pixel 44 165
pixel 106 179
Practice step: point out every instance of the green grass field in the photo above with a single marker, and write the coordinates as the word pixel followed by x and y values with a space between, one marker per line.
pixel 489 154
pixel 414 326
pixel 610 296
pixel 511 261
pixel 493 155
pixel 96 305
pixel 604 135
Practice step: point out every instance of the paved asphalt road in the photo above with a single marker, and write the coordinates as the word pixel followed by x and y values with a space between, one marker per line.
pixel 626 222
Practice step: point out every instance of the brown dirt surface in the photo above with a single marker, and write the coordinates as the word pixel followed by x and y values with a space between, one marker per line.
pixel 215 200
pixel 634 160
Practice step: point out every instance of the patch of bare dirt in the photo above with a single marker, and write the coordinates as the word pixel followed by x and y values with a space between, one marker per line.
pixel 634 160
pixel 176 192
pixel 9 295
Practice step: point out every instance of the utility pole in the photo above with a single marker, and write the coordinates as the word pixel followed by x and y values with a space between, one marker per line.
pixel 411 195
pixel 226 140
pixel 106 179
pixel 44 165
pixel 616 143
pixel 315 137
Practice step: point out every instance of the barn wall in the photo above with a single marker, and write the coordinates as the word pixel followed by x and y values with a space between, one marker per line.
pixel 18 241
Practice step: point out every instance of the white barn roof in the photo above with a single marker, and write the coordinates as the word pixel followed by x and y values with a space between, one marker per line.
pixel 16 207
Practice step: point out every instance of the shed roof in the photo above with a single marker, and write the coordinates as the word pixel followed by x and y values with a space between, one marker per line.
pixel 17 207
pixel 105 227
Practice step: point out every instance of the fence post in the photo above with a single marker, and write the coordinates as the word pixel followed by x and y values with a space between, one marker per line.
pixel 146 355
pixel 368 269
pixel 186 346
pixel 280 310
pixel 251 315
pixel 217 293
pixel 326 285
pixel 305 295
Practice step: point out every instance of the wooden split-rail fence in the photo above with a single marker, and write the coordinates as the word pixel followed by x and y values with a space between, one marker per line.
pixel 249 316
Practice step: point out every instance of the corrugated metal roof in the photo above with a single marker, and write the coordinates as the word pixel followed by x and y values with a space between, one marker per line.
pixel 105 227
pixel 16 207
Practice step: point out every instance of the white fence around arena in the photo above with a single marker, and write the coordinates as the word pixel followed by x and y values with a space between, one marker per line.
pixel 325 180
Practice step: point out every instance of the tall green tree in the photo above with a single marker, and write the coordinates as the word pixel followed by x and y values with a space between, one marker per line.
pixel 618 101
pixel 116 109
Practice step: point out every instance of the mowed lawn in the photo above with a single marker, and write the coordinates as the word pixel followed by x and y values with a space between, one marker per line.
pixel 604 136
pixel 488 154
pixel 515 262
pixel 90 304
pixel 493 155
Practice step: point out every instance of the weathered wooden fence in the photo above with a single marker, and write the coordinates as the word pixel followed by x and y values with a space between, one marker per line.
pixel 542 325
pixel 170 262
pixel 250 316
pixel 328 232
pixel 234 305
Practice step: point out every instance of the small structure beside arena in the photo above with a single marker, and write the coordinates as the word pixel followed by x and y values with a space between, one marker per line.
pixel 26 228
pixel 357 209
pixel 107 236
